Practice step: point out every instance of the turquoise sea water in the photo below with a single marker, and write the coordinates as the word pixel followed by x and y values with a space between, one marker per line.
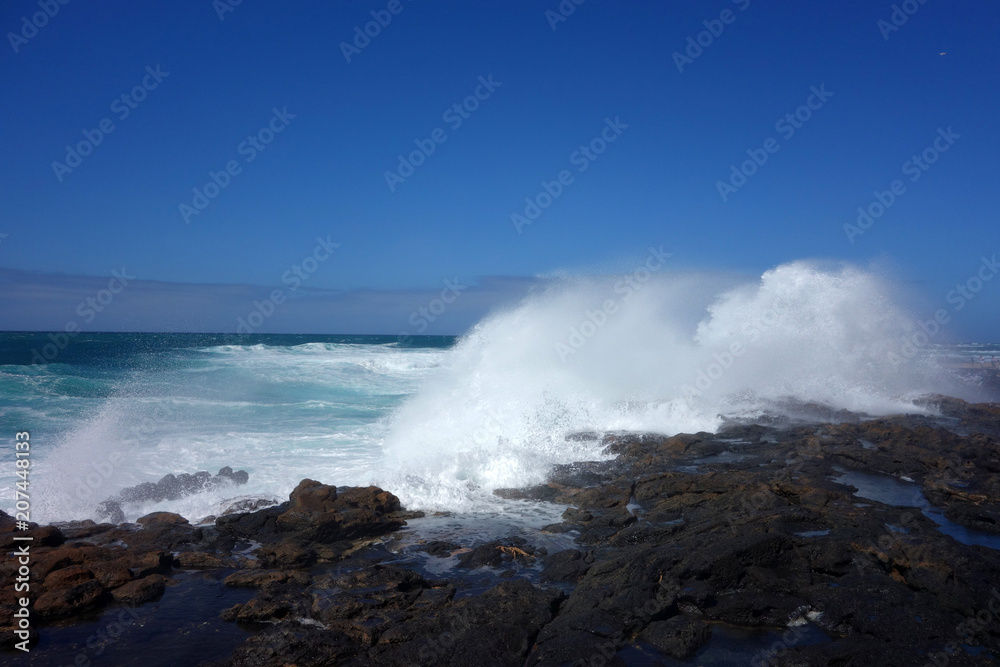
pixel 438 421
pixel 112 410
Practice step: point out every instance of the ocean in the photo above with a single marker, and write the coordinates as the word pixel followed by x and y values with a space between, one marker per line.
pixel 442 422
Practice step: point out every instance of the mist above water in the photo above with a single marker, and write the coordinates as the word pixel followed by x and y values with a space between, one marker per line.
pixel 665 354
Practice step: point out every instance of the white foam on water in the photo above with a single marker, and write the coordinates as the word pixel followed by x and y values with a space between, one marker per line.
pixel 672 355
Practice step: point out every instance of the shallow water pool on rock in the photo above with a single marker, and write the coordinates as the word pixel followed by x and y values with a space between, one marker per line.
pixel 896 492
pixel 180 628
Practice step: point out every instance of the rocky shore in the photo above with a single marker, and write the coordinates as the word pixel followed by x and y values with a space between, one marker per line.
pixel 759 544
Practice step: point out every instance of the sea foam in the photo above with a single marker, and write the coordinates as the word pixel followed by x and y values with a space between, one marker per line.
pixel 676 353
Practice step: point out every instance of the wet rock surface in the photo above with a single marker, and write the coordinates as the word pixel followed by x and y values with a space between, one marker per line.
pixel 677 542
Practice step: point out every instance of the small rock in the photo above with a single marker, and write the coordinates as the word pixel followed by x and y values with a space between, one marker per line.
pixel 161 517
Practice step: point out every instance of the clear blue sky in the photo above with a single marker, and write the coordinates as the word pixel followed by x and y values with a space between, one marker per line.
pixel 323 175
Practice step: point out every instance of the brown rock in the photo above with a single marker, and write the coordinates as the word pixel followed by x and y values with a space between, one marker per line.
pixel 287 555
pixel 370 498
pixel 141 590
pixel 69 601
pixel 46 536
pixel 67 576
pixel 57 558
pixel 260 610
pixel 154 562
pixel 312 496
pixel 75 530
pixel 161 517
pixel 197 560
pixel 353 513
pixel 112 574
pixel 254 578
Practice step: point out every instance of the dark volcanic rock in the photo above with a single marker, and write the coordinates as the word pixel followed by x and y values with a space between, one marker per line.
pixel 676 535
pixel 495 628
pixel 75 530
pixel 255 578
pixel 498 553
pixel 248 505
pixel 568 565
pixel 318 513
pixel 258 525
pixel 294 645
pixel 438 548
pixel 679 638
pixel 170 487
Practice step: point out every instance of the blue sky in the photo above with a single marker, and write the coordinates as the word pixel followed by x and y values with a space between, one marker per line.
pixel 211 84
